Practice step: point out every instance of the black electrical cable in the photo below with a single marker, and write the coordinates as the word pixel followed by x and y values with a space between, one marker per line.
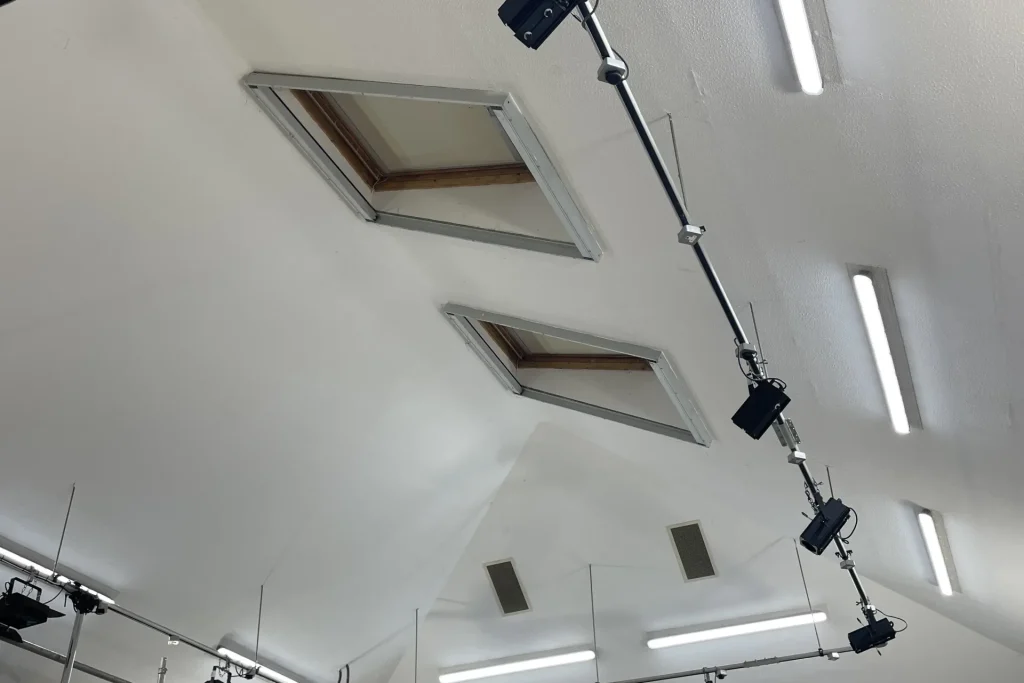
pixel 582 18
pixel 856 521
pixel 905 624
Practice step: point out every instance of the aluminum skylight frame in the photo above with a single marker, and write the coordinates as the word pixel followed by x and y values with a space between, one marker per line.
pixel 695 432
pixel 582 242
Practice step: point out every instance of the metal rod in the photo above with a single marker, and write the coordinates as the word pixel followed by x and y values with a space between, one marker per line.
pixel 170 633
pixel 61 659
pixel 67 516
pixel 259 624
pixel 161 673
pixel 416 648
pixel 807 592
pixel 625 92
pixel 593 26
pixel 69 660
pixel 593 624
pixel 740 665
pixel 141 620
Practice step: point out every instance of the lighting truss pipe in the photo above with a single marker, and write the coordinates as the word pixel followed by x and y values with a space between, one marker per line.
pixel 195 644
pixel 605 50
pixel 753 663
pixel 625 92
pixel 61 659
pixel 132 616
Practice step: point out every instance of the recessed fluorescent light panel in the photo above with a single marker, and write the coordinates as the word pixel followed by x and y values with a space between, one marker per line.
pixel 247 663
pixel 26 565
pixel 878 310
pixel 449 161
pixel 619 381
pixel 672 640
pixel 541 661
pixel 797 27
pixel 933 530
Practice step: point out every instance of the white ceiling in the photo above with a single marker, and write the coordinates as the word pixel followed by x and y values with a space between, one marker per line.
pixel 249 385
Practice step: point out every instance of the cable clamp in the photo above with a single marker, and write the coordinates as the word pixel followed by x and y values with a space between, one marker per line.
pixel 691 234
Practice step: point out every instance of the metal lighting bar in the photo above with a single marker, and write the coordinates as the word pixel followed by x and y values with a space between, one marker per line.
pixel 127 614
pixel 753 663
pixel 691 235
pixel 61 659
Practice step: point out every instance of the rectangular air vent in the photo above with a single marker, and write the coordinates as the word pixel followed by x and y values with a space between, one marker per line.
pixel 507 588
pixel 692 551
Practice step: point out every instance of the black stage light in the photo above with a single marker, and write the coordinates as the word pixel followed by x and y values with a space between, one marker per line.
pixel 826 524
pixel 5 2
pixel 20 611
pixel 875 634
pixel 766 402
pixel 533 20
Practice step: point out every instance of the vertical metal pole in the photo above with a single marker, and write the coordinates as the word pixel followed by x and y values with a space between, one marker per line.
pixel 69 663
pixel 161 673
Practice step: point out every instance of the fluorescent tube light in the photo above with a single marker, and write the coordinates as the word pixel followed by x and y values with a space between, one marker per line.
pixel 801 45
pixel 868 299
pixel 247 663
pixel 738 630
pixel 31 567
pixel 931 542
pixel 517 666
pixel 26 564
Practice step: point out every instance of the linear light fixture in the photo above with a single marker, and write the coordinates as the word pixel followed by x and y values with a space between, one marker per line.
pixel 867 297
pixel 518 665
pixel 737 630
pixel 30 567
pixel 926 518
pixel 247 663
pixel 801 45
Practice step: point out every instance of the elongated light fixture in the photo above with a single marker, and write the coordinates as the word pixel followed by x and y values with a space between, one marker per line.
pixel 31 567
pixel 517 666
pixel 247 663
pixel 931 541
pixel 880 349
pixel 738 630
pixel 801 46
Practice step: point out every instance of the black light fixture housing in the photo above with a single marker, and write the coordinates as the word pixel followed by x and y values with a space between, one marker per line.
pixel 766 402
pixel 829 521
pixel 534 20
pixel 875 634
pixel 18 611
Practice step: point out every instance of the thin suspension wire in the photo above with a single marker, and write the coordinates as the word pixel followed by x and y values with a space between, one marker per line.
pixel 67 517
pixel 807 593
pixel 593 623
pixel 675 152
pixel 259 624
pixel 757 335
pixel 832 491
pixel 416 647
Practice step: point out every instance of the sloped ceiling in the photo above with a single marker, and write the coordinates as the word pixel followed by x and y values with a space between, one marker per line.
pixel 251 386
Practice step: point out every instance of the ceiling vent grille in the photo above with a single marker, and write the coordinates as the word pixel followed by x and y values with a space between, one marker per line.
pixel 692 551
pixel 507 588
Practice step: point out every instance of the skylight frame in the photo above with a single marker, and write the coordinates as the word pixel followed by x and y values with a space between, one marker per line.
pixel 695 431
pixel 582 242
